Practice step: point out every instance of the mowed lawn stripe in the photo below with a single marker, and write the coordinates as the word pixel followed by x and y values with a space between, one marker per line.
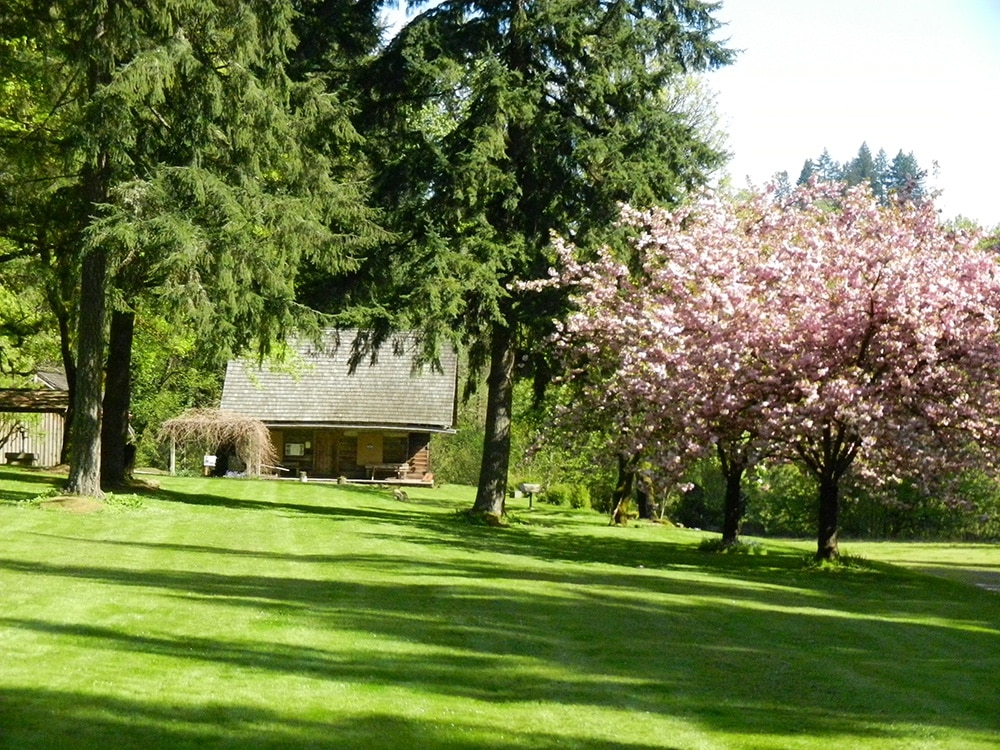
pixel 238 613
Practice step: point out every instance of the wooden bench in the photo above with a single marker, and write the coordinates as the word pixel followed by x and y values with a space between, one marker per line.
pixel 22 459
pixel 399 470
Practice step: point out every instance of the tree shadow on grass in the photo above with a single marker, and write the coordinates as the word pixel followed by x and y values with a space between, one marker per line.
pixel 334 508
pixel 41 718
pixel 434 522
pixel 636 557
pixel 496 640
pixel 19 484
pixel 740 644
pixel 755 703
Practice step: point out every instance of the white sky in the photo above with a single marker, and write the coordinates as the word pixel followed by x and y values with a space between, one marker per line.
pixel 916 75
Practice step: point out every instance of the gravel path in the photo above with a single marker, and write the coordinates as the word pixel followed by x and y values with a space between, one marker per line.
pixel 984 579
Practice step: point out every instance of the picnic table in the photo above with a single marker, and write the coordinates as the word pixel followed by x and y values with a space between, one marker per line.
pixel 21 458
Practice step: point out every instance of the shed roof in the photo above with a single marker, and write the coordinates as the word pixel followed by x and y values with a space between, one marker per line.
pixel 33 400
pixel 316 387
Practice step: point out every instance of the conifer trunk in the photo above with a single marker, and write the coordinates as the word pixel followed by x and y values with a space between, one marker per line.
pixel 117 396
pixel 69 366
pixel 492 490
pixel 85 438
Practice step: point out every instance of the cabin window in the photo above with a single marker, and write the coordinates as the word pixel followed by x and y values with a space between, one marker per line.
pixel 298 444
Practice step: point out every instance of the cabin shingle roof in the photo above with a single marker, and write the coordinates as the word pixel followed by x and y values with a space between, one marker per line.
pixel 316 387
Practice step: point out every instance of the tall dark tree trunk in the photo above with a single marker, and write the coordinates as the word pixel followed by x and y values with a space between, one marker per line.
pixel 85 438
pixel 733 464
pixel 623 491
pixel 115 465
pixel 492 490
pixel 69 365
pixel 829 517
pixel 95 279
pixel 60 294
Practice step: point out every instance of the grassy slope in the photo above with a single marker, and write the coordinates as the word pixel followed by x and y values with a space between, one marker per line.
pixel 236 614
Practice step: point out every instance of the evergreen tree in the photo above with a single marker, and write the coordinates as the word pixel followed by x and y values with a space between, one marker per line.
pixel 782 184
pixel 188 161
pixel 906 178
pixel 861 168
pixel 494 125
pixel 902 177
pixel 807 173
pixel 827 169
pixel 36 196
pixel 881 176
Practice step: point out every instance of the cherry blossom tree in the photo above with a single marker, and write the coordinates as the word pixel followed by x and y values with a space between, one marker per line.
pixel 820 327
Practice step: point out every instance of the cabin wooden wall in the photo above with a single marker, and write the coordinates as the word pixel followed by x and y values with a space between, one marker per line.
pixel 346 452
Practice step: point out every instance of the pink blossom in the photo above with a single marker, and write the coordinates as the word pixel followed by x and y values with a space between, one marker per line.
pixel 824 327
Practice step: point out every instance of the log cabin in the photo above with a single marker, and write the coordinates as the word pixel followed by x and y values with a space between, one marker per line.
pixel 331 417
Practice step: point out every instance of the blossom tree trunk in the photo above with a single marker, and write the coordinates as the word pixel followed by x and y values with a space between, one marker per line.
pixel 828 458
pixel 623 491
pixel 734 465
pixel 829 518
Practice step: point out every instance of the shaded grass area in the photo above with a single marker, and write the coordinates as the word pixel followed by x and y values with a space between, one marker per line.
pixel 975 564
pixel 237 613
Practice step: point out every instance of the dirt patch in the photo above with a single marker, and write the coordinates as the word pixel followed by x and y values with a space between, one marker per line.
pixel 74 504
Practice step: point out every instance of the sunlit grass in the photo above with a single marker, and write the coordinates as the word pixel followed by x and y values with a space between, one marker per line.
pixel 236 614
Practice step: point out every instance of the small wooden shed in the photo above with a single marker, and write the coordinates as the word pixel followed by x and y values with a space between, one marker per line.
pixel 372 422
pixel 32 420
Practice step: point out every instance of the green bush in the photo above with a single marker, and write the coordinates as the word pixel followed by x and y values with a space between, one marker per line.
pixel 966 507
pixel 557 494
pixel 741 547
pixel 568 495
pixel 601 496
pixel 580 497
pixel 701 506
pixel 781 501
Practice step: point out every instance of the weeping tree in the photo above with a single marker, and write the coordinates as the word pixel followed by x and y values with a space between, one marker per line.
pixel 493 125
pixel 191 166
pixel 208 429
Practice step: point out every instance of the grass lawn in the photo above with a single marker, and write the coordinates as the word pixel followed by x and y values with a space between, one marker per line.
pixel 221 613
